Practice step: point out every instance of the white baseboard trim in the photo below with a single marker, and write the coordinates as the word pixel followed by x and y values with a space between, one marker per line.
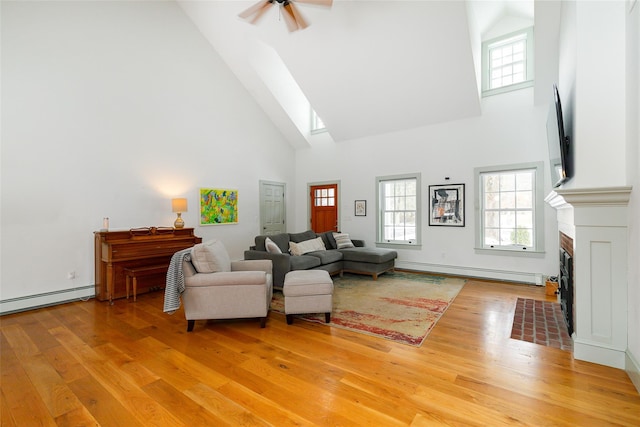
pixel 633 369
pixel 483 273
pixel 598 353
pixel 30 302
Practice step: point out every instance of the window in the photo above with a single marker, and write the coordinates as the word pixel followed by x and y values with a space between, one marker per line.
pixel 510 208
pixel 399 209
pixel 324 197
pixel 507 62
pixel 317 125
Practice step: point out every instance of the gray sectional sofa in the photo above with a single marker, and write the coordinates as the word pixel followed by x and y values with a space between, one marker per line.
pixel 357 259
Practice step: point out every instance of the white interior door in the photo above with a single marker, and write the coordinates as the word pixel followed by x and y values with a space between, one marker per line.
pixel 272 207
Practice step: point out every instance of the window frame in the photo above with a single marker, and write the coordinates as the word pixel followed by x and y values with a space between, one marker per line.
pixel 380 240
pixel 486 65
pixel 316 125
pixel 538 209
pixel 329 198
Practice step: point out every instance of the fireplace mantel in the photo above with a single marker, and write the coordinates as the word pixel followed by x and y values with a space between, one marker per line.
pixel 601 196
pixel 596 219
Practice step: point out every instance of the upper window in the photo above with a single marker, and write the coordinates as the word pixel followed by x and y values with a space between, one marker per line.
pixel 507 62
pixel 317 125
pixel 399 209
pixel 324 197
pixel 511 209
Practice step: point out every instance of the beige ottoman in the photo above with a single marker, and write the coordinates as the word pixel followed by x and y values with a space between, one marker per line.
pixel 308 291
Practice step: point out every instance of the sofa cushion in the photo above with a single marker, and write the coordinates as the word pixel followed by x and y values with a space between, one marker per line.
pixel 210 257
pixel 301 237
pixel 271 246
pixel 282 240
pixel 230 278
pixel 342 240
pixel 328 256
pixel 307 246
pixel 372 255
pixel 303 262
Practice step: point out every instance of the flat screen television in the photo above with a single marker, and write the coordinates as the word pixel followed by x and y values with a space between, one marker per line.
pixel 559 156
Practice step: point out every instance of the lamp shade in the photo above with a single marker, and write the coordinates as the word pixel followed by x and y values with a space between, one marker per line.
pixel 179 205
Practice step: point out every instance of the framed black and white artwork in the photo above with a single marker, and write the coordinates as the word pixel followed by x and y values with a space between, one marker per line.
pixel 446 205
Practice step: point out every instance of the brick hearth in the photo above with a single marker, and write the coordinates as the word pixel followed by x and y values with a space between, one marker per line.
pixel 541 322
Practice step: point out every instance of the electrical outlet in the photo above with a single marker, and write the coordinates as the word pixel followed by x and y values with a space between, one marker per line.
pixel 71 275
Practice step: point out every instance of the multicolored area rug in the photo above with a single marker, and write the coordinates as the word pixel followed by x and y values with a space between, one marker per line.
pixel 540 322
pixel 399 306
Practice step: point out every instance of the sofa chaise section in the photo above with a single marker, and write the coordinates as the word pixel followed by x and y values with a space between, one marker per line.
pixel 371 261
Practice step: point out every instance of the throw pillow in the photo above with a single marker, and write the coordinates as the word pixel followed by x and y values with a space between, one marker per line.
pixel 210 257
pixel 328 239
pixel 307 246
pixel 342 240
pixel 271 246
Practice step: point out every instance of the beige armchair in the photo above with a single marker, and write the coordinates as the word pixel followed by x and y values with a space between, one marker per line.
pixel 217 288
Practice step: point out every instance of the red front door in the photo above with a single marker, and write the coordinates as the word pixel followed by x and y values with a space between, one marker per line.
pixel 324 208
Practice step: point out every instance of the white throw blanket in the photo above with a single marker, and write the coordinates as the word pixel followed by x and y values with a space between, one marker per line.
pixel 175 281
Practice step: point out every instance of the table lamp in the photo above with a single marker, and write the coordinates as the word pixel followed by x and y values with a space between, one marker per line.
pixel 178 206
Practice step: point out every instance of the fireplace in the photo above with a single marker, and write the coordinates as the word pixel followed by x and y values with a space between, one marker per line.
pixel 565 280
pixel 593 226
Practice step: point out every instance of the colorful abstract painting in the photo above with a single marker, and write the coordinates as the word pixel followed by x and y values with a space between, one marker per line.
pixel 218 206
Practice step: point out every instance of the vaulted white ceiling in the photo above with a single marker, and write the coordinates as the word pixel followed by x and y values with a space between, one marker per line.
pixel 366 67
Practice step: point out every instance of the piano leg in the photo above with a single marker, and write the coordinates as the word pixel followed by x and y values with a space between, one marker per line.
pixel 110 282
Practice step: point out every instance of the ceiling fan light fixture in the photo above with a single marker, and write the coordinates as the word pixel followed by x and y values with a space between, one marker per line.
pixel 293 18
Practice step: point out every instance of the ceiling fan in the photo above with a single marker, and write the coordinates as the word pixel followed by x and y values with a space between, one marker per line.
pixel 292 16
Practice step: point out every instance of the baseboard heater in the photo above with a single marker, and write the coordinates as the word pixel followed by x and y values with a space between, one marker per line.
pixel 32 302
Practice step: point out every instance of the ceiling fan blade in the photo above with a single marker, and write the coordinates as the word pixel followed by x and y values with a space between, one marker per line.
pixel 302 23
pixel 289 17
pixel 260 13
pixel 258 9
pixel 326 3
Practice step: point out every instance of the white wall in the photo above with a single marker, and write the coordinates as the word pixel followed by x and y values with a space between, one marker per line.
pixel 510 130
pixel 633 164
pixel 110 109
pixel 598 137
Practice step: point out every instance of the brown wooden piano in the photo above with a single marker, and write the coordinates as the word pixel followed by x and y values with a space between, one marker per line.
pixel 135 248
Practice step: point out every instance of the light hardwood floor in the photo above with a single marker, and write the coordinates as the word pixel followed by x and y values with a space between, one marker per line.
pixel 88 363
